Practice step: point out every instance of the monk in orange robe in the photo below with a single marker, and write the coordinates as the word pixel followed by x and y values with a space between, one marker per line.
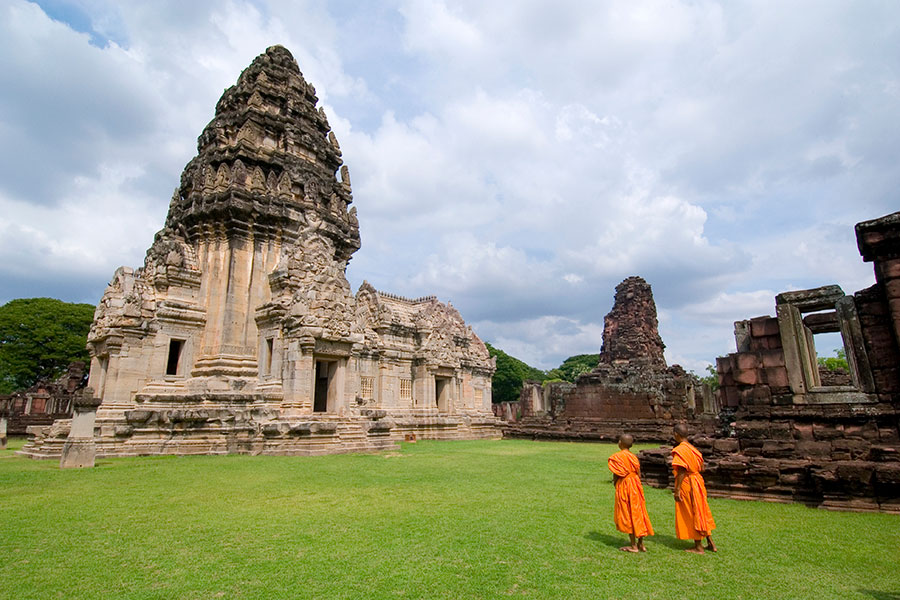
pixel 630 512
pixel 693 519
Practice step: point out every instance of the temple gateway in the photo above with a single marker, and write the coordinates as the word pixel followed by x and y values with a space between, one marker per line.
pixel 241 334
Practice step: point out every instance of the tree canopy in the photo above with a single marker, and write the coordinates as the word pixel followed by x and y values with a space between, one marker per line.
pixel 511 374
pixel 39 337
pixel 574 366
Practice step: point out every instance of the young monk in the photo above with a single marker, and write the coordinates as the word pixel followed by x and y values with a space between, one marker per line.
pixel 630 512
pixel 693 519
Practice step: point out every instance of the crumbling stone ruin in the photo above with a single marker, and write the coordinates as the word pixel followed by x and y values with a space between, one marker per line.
pixel 796 436
pixel 240 332
pixel 631 389
pixel 631 329
pixel 44 402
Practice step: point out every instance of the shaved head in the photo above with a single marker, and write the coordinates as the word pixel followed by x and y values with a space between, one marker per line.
pixel 681 430
pixel 625 441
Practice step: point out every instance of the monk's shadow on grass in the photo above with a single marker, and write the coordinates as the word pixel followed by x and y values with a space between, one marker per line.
pixel 880 595
pixel 617 541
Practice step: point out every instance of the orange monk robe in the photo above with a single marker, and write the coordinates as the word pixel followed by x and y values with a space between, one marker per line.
pixel 693 519
pixel 630 513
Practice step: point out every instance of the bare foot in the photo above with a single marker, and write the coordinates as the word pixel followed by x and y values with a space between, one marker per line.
pixel 712 547
pixel 628 549
pixel 694 550
pixel 642 548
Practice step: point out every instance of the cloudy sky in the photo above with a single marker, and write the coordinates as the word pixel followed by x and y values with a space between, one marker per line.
pixel 516 158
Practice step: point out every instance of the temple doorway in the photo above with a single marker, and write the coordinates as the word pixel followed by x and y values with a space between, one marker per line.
pixel 442 393
pixel 323 399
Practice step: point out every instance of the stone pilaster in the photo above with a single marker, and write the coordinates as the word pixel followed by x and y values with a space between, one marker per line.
pixel 80 448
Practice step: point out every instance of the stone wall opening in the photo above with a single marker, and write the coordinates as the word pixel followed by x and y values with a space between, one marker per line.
pixel 825 347
pixel 173 361
pixel 267 359
pixel 325 398
pixel 804 316
pixel 442 393
pixel 104 368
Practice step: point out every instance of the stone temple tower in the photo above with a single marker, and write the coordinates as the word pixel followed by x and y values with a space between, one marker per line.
pixel 241 334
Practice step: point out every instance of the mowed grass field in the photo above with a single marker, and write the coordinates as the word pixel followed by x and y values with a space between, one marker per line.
pixel 431 520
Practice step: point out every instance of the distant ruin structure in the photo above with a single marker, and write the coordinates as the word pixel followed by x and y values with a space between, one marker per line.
pixel 631 388
pixel 796 436
pixel 240 332
pixel 44 402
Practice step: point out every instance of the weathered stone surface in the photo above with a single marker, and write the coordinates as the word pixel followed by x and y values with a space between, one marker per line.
pixel 240 332
pixel 631 330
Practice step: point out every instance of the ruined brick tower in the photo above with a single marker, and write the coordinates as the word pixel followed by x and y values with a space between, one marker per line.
pixel 631 388
pixel 241 334
pixel 630 330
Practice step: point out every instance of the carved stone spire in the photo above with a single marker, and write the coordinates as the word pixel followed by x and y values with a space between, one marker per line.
pixel 267 163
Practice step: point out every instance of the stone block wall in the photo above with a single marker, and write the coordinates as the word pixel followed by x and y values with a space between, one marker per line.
pixel 756 374
pixel 831 456
pixel 877 321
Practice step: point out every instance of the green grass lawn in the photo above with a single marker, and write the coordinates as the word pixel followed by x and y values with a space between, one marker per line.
pixel 431 520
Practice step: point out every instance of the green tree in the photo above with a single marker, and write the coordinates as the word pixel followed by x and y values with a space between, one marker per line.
pixel 711 378
pixel 39 337
pixel 836 362
pixel 574 366
pixel 511 374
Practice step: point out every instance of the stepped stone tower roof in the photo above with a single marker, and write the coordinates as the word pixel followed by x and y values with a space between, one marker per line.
pixel 267 162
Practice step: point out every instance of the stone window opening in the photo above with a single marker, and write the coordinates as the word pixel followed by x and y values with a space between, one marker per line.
pixel 173 361
pixel 367 387
pixel 824 349
pixel 267 359
pixel 802 316
pixel 406 389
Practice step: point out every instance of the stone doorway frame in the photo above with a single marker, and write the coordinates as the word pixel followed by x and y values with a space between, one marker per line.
pixel 443 386
pixel 334 368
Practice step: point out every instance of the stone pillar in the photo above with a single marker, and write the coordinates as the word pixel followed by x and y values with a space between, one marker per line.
pixel 879 242
pixel 80 449
pixel 4 411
